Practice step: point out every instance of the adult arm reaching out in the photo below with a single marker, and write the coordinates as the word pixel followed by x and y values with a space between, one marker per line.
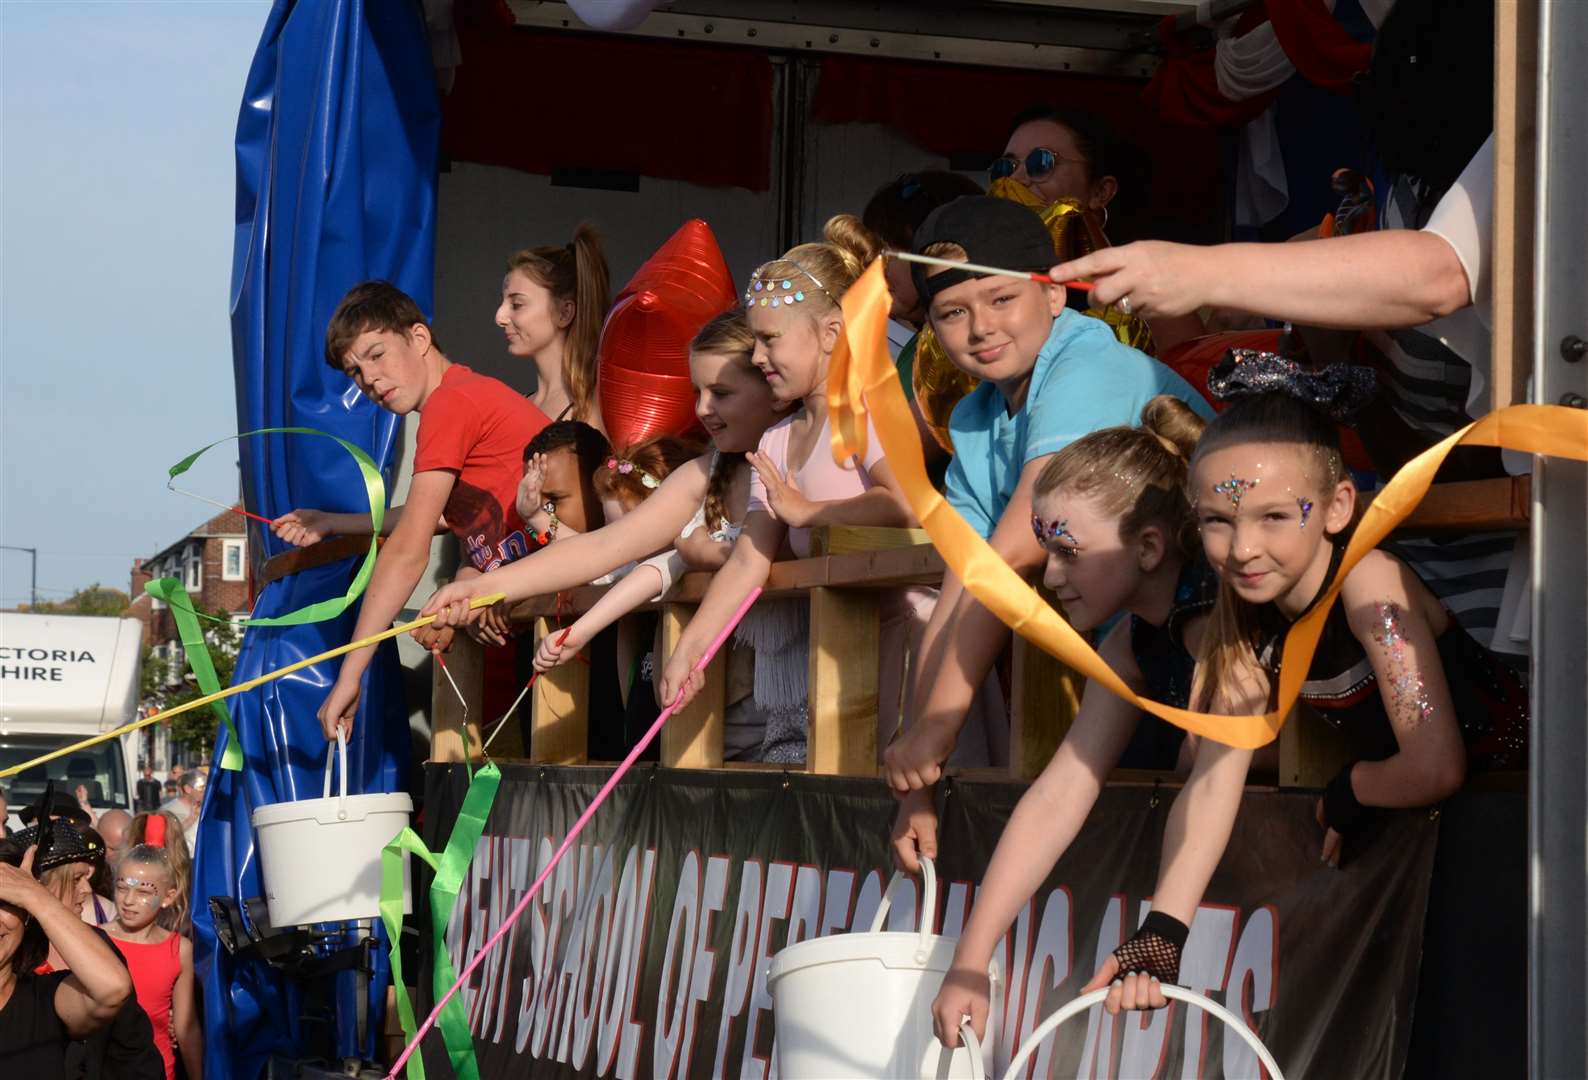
pixel 1379 280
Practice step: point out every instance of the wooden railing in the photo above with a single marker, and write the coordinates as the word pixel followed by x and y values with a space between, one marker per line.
pixel 844 586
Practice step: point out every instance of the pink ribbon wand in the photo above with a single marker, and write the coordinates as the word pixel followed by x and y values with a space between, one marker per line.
pixel 567 842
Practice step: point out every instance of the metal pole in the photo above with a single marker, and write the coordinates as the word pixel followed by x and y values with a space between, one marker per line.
pixel 33 576
pixel 1558 793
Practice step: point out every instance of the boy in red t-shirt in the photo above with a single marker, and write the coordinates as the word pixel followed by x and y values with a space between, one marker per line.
pixel 472 434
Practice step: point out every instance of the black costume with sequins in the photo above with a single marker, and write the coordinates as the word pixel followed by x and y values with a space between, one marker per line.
pixel 1490 698
pixel 1166 667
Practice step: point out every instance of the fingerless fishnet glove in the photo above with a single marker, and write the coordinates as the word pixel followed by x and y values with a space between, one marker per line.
pixel 1154 949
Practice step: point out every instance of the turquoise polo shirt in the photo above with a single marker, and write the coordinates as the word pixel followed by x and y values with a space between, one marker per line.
pixel 1085 379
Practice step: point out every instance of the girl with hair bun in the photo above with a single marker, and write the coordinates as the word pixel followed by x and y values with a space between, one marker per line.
pixel 554 300
pixel 1111 511
pixel 794 313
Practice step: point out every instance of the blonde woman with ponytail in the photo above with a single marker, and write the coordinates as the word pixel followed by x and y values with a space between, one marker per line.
pixel 1111 513
pixel 793 308
pixel 554 300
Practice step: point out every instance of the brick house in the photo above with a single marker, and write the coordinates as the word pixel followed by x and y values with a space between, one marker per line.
pixel 212 561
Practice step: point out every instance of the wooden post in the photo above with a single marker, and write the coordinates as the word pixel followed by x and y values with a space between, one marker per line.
pixel 1515 170
pixel 692 738
pixel 843 693
pixel 466 664
pixel 1310 750
pixel 1045 696
pixel 560 711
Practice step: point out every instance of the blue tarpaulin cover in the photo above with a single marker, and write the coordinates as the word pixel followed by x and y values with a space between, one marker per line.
pixel 336 173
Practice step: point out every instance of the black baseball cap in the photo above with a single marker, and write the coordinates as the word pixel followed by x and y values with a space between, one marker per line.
pixel 994 232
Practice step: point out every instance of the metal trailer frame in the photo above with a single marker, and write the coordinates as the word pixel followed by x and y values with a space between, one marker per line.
pixel 1558 794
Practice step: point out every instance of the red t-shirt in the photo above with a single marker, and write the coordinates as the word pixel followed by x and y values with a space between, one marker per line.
pixel 476 428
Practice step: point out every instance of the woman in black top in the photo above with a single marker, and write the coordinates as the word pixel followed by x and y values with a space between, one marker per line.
pixel 41 1014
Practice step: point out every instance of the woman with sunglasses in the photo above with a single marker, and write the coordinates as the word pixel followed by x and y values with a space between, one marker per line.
pixel 1060 153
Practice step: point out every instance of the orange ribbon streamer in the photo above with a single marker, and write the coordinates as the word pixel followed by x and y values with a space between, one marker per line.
pixel 862 375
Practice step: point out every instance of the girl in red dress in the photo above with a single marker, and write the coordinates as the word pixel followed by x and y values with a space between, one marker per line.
pixel 161 961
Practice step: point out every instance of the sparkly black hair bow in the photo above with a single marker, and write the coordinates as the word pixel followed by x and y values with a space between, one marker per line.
pixel 1339 390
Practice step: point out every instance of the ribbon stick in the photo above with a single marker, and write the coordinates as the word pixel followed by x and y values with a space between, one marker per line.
pixel 861 374
pixel 242 687
pixel 236 508
pixel 511 709
pixel 374 491
pixel 567 842
pixel 980 268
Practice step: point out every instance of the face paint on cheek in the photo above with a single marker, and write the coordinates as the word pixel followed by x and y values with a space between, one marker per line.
pixel 1306 510
pixel 1406 687
pixel 1235 488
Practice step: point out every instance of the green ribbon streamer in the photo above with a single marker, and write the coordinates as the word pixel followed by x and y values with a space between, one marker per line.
pixel 449 867
pixel 170 591
pixel 194 645
pixel 374 488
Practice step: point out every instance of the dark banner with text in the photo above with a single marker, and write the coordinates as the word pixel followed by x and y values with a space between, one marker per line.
pixel 646 953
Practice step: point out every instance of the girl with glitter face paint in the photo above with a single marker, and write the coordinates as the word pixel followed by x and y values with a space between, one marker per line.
pixel 1276 507
pixel 1110 510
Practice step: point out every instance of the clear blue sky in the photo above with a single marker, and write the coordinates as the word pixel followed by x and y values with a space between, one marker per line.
pixel 116 211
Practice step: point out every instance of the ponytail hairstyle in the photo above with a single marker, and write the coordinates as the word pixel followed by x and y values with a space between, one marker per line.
pixel 1228 656
pixel 728 335
pixel 1137 474
pixel 157 839
pixel 576 272
pixel 631 476
pixel 818 274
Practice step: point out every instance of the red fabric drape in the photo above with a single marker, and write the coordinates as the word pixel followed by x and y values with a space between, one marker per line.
pixel 1185 90
pixel 1322 51
pixel 950 109
pixel 543 101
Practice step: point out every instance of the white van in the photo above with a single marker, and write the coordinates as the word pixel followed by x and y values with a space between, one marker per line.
pixel 64 678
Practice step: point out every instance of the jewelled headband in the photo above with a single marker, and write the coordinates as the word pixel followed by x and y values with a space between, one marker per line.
pixel 775 292
pixel 623 467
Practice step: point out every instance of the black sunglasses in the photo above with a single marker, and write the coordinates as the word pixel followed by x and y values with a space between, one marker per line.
pixel 1040 164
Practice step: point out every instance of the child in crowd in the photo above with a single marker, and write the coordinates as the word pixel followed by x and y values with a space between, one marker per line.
pixel 554 300
pixel 623 482
pixel 161 962
pixel 794 314
pixel 557 496
pixel 1049 375
pixel 1276 507
pixel 472 433
pixel 701 504
pixel 1110 510
pixel 163 830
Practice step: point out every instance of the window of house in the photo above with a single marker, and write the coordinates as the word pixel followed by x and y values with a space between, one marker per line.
pixel 232 561
pixel 195 568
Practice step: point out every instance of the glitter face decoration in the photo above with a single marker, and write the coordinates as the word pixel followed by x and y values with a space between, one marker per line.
pixel 1235 488
pixel 1305 506
pixel 1408 692
pixel 1049 532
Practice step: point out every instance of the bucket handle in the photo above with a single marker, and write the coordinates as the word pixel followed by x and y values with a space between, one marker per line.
pixel 331 753
pixel 1086 1001
pixel 928 907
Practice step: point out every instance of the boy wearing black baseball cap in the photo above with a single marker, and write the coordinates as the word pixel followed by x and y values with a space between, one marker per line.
pixel 1049 376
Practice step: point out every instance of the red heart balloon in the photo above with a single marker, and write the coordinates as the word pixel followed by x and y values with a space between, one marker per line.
pixel 644 375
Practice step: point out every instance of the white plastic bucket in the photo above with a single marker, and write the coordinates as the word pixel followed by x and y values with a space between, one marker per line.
pixel 320 858
pixel 860 1004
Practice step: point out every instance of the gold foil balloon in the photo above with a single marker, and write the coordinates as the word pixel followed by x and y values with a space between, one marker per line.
pixel 938 385
pixel 1077 232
